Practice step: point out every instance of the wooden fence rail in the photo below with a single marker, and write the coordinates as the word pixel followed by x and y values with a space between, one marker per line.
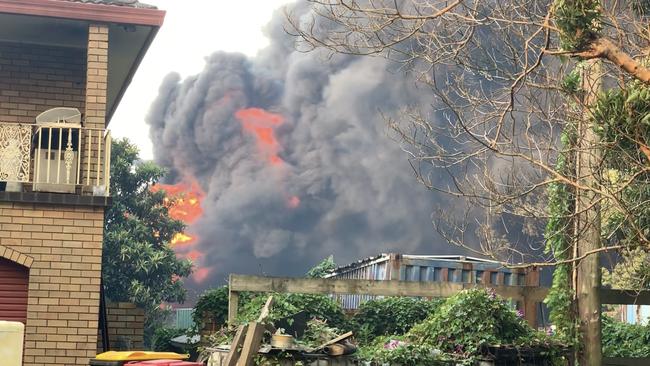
pixel 528 296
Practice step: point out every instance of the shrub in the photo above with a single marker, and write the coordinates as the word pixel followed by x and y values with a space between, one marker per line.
pixel 316 306
pixel 625 340
pixel 457 330
pixel 391 316
pixel 212 305
pixel 470 319
pixel 162 339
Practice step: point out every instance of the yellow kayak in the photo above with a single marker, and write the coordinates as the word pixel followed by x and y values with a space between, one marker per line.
pixel 139 356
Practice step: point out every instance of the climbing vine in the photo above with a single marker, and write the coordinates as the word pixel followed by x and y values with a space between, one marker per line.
pixel 559 244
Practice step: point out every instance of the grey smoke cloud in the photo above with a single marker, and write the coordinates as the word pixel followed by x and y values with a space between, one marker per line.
pixel 357 193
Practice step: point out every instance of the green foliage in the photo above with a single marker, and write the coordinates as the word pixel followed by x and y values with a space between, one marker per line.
pixel 457 330
pixel 578 21
pixel 390 316
pixel 317 306
pixel 162 339
pixel 137 264
pixel 323 268
pixel 571 83
pixel 218 338
pixel 470 319
pixel 395 351
pixel 558 243
pixel 319 332
pixel 625 340
pixel 632 272
pixel 622 118
pixel 212 304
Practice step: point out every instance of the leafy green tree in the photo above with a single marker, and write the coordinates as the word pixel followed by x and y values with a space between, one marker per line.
pixel 323 268
pixel 139 266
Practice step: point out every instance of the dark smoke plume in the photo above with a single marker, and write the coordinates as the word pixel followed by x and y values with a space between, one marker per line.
pixel 342 186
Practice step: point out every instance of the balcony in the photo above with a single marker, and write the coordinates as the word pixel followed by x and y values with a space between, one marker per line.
pixel 54 158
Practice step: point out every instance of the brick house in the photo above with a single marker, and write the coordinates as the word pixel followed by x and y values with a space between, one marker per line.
pixel 64 66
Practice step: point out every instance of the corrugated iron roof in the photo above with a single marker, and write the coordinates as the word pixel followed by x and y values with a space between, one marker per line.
pixel 359 263
pixel 385 256
pixel 455 258
pixel 129 3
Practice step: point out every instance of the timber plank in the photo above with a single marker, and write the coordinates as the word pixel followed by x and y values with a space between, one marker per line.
pixel 233 353
pixel 251 344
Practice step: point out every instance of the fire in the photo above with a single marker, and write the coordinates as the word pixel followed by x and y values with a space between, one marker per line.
pixel 181 239
pixel 184 203
pixel 261 124
pixel 184 200
pixel 194 255
pixel 201 274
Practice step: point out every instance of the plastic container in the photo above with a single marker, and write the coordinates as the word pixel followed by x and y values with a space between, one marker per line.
pixel 11 343
pixel 164 363
pixel 96 362
pixel 138 356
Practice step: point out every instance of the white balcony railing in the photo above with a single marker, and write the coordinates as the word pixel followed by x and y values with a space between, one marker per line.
pixel 55 157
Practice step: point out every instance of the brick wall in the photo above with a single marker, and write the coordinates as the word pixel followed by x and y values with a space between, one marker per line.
pixel 63 244
pixel 96 89
pixel 36 78
pixel 125 327
pixel 97 76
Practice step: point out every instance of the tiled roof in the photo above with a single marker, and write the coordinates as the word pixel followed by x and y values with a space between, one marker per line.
pixel 129 3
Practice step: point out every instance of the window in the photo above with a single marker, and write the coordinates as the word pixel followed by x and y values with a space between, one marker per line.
pixel 410 274
pixel 507 279
pixel 425 274
pixel 521 279
pixel 465 275
pixel 494 278
pixel 451 275
pixel 479 277
pixel 436 274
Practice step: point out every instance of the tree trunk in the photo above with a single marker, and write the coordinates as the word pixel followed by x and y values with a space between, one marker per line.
pixel 587 225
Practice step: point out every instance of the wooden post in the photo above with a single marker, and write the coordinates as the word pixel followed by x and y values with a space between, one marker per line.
pixel 233 306
pixel 587 224
pixel 252 344
pixel 530 311
pixel 238 341
pixel 395 265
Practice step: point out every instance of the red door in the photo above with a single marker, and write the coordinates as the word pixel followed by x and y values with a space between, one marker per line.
pixel 14 282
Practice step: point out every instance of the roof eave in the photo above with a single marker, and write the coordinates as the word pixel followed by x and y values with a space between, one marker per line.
pixel 134 67
pixel 84 11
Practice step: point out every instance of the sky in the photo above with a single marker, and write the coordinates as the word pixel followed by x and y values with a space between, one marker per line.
pixel 193 30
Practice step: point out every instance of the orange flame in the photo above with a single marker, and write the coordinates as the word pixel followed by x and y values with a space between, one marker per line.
pixel 184 200
pixel 182 239
pixel 184 204
pixel 194 255
pixel 261 124
pixel 201 274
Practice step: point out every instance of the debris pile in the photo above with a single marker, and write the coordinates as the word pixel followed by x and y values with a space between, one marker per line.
pixel 291 338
